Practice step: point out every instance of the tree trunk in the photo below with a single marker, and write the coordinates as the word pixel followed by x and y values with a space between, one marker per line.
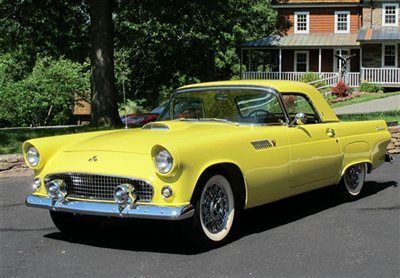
pixel 103 90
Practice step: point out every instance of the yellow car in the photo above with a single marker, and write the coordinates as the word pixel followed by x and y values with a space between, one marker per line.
pixel 220 147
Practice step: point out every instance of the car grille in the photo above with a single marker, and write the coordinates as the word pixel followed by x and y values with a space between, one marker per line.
pixel 101 187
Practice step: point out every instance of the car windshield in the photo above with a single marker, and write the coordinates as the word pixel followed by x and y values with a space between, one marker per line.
pixel 243 106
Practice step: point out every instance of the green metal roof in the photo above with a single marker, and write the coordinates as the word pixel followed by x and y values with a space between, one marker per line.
pixel 379 34
pixel 305 40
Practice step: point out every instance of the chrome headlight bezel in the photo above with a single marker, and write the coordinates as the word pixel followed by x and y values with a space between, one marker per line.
pixel 163 161
pixel 32 156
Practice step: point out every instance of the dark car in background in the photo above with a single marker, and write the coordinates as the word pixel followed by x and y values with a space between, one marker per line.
pixel 140 119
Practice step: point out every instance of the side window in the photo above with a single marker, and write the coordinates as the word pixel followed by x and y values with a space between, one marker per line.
pixel 298 103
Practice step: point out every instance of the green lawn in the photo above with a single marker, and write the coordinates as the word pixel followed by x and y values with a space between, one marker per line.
pixel 390 116
pixel 363 98
pixel 11 139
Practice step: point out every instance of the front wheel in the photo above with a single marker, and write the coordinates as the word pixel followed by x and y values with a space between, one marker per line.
pixel 353 180
pixel 216 212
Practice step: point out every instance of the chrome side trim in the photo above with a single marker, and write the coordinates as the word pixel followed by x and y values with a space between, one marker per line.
pixel 111 209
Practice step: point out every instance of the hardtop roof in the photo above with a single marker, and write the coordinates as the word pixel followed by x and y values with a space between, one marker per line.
pixel 281 86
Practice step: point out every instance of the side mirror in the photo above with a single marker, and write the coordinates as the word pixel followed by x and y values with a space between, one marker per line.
pixel 299 119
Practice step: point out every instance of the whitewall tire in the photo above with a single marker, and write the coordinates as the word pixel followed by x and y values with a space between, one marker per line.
pixel 216 213
pixel 353 179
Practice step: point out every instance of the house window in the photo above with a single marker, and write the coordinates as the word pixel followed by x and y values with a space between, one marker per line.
pixel 301 22
pixel 342 22
pixel 390 14
pixel 389 55
pixel 301 61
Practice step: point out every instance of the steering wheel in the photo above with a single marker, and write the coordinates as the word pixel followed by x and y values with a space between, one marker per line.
pixel 258 111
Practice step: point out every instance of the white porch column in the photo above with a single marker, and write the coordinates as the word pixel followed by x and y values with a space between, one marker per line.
pixel 319 60
pixel 280 62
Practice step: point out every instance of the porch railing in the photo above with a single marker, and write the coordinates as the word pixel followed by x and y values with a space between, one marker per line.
pixel 286 75
pixel 384 76
pixel 353 79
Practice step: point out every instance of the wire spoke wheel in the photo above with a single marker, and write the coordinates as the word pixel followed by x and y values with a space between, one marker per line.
pixel 216 208
pixel 354 178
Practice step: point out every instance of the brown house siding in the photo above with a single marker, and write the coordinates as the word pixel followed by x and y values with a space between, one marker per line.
pixel 322 20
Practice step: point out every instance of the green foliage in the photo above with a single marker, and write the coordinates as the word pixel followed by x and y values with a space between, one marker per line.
pixel 311 77
pixel 132 107
pixel 167 44
pixel 46 95
pixel 370 88
pixel 159 45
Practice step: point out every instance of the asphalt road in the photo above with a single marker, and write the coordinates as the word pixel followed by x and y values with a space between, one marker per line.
pixel 377 105
pixel 312 235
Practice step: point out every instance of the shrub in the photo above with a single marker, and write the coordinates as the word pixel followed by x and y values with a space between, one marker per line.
pixel 341 90
pixel 370 88
pixel 46 96
pixel 311 77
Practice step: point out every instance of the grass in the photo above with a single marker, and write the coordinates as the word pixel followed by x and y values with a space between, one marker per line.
pixel 363 98
pixel 389 116
pixel 12 139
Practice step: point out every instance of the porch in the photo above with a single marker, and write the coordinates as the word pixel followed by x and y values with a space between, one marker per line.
pixel 290 57
pixel 386 77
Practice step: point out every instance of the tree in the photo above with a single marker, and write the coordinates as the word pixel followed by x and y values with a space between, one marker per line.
pixel 172 43
pixel 103 90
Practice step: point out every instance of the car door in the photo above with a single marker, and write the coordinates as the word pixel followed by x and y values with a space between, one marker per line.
pixel 315 152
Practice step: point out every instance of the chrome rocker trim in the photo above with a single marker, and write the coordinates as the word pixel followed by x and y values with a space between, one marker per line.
pixel 110 209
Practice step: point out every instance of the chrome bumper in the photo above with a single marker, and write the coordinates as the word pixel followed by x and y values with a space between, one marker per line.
pixel 111 210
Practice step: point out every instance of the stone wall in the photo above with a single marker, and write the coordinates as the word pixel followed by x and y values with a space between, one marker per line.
pixel 13 165
pixel 394 146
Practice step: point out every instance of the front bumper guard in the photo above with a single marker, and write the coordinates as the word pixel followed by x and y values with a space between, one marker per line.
pixel 111 210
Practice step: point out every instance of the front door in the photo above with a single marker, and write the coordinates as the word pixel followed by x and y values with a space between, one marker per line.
pixel 314 150
pixel 337 66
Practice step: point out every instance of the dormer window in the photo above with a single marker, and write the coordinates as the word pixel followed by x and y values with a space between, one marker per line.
pixel 390 14
pixel 342 22
pixel 301 22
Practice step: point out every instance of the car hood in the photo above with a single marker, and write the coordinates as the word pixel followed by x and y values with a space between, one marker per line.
pixel 142 140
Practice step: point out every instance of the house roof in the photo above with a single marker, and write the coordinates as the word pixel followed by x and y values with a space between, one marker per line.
pixel 310 3
pixel 305 40
pixel 313 1
pixel 379 34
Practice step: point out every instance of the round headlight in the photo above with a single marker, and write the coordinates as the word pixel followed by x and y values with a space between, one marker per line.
pixel 163 161
pixel 32 156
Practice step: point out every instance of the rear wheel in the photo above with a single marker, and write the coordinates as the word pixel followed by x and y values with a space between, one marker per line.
pixel 216 211
pixel 353 180
pixel 71 224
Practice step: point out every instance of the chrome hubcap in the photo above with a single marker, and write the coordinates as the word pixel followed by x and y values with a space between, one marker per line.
pixel 214 208
pixel 352 176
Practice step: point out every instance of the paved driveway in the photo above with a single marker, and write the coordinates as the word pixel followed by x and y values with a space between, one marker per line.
pixel 377 105
pixel 312 235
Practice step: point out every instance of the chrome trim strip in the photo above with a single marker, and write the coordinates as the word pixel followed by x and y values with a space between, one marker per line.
pixel 111 209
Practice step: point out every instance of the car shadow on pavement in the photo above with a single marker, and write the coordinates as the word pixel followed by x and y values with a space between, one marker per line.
pixel 168 237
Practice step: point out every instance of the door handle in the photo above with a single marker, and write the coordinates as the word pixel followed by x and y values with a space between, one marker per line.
pixel 330 132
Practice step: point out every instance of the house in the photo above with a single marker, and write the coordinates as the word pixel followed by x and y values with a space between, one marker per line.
pixel 314 32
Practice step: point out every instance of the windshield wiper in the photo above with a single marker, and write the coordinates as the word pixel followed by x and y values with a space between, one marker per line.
pixel 209 120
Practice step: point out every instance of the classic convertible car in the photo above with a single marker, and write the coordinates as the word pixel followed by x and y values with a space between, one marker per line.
pixel 221 147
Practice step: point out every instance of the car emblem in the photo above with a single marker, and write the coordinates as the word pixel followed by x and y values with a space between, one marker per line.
pixel 93 159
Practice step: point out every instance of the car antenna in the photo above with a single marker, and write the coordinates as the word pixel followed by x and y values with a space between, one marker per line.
pixel 123 92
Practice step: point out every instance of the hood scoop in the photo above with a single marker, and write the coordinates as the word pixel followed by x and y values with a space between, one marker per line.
pixel 156 126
